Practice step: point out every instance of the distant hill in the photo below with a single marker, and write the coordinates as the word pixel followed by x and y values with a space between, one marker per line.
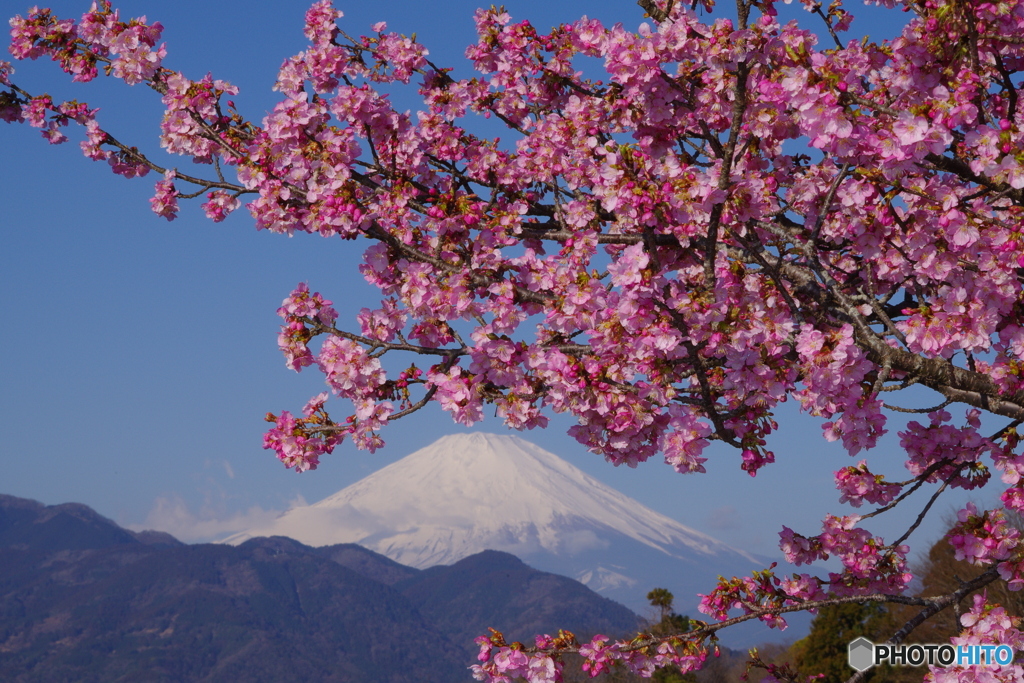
pixel 82 599
pixel 496 589
pixel 30 524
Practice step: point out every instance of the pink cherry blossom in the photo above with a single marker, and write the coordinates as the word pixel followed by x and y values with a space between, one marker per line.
pixel 683 224
pixel 165 201
pixel 219 204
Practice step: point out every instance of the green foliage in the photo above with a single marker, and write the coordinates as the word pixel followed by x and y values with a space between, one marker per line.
pixel 662 599
pixel 826 647
pixel 671 623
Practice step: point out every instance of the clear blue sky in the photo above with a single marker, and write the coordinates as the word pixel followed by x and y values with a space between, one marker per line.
pixel 139 356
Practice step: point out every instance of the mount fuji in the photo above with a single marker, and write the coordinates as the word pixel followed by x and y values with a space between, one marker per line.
pixel 467 493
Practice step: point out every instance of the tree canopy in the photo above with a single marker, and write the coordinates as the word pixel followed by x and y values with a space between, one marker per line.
pixel 728 217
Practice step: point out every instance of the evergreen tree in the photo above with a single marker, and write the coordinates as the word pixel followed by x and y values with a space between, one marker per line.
pixel 825 649
pixel 670 624
pixel 662 599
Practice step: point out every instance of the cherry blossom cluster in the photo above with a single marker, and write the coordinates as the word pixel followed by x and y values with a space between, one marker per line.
pixel 858 485
pixel 165 201
pixel 299 442
pixel 649 248
pixel 193 123
pixel 501 662
pixel 984 624
pixel 987 538
pixel 869 564
pixel 350 371
pixel 300 309
pixel 219 204
pixel 127 50
pixel 757 594
pixel 943 452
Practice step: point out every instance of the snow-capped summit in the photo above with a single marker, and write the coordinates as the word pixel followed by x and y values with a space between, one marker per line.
pixel 471 492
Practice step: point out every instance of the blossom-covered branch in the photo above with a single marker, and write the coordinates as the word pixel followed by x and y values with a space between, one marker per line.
pixel 724 218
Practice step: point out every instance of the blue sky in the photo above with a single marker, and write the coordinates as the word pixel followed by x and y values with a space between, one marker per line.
pixel 139 356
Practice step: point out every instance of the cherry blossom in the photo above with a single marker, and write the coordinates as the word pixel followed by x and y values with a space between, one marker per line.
pixel 715 216
pixel 165 201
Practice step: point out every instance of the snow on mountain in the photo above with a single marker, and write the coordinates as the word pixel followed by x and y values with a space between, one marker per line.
pixel 466 493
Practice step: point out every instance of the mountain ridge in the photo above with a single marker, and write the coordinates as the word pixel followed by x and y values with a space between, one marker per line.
pixel 270 609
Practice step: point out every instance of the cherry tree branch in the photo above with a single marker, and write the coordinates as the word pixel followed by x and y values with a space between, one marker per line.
pixel 932 607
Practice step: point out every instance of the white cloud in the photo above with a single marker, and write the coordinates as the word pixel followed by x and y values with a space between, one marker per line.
pixel 170 513
pixel 229 469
